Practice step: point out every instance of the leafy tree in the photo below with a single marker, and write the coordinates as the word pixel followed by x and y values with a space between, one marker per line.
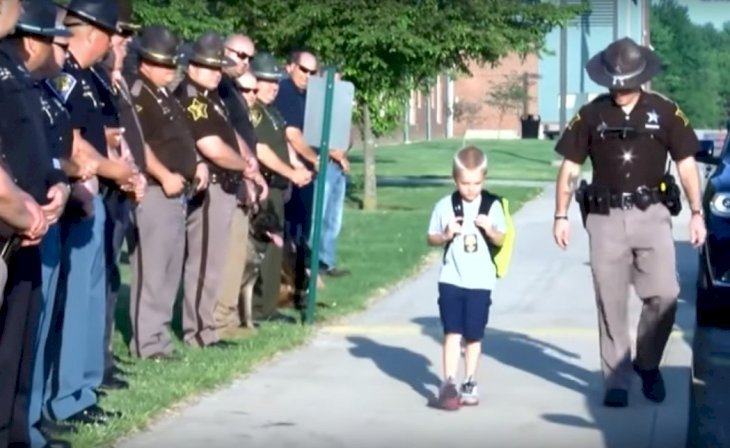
pixel 385 48
pixel 695 64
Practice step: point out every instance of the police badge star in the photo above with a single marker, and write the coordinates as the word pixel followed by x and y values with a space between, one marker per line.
pixel 198 109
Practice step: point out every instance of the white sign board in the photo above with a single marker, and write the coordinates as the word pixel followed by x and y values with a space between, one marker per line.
pixel 342 100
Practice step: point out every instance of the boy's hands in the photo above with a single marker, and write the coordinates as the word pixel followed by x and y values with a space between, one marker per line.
pixel 483 222
pixel 453 228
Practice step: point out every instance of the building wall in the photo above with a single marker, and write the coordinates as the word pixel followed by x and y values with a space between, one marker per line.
pixel 586 36
pixel 487 119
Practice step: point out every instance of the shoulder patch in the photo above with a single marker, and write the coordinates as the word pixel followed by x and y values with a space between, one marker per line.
pixel 63 85
pixel 255 116
pixel 680 114
pixel 574 120
pixel 198 109
pixel 136 88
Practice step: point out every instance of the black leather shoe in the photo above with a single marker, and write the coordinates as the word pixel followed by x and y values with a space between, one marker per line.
pixel 616 398
pixel 652 384
pixel 93 415
pixel 158 357
pixel 221 344
pixel 51 427
pixel 56 443
pixel 114 383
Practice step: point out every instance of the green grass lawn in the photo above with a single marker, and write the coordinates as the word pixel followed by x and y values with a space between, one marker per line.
pixel 380 247
pixel 508 159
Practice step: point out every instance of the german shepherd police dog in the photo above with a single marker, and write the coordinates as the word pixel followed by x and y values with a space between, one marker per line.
pixel 264 228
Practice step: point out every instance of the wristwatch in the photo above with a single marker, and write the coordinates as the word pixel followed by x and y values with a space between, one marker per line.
pixel 557 217
pixel 698 212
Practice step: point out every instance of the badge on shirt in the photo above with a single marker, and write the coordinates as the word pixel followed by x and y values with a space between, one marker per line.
pixel 198 110
pixel 63 85
pixel 652 120
pixel 470 243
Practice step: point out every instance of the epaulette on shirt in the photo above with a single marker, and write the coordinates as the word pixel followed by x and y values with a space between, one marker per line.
pixel 62 85
pixel 136 88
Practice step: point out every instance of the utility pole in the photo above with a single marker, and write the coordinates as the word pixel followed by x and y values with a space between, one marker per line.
pixel 563 72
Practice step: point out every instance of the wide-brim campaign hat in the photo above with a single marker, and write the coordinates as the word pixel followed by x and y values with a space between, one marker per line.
pixel 623 64
pixel 265 67
pixel 125 25
pixel 209 51
pixel 103 14
pixel 39 18
pixel 158 45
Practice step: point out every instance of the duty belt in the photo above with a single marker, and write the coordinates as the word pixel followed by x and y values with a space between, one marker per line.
pixel 625 201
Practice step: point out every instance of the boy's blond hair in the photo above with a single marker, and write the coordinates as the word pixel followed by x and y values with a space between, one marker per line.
pixel 469 158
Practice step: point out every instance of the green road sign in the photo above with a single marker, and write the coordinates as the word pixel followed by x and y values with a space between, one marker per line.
pixel 327 124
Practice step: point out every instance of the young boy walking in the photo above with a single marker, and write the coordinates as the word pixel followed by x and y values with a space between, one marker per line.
pixel 468 274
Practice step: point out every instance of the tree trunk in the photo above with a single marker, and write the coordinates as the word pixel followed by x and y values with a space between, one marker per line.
pixel 370 198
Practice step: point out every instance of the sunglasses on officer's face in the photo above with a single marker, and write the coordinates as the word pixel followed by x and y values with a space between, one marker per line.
pixel 248 90
pixel 242 55
pixel 306 71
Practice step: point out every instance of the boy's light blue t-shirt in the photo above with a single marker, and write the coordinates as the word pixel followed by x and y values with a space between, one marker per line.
pixel 468 262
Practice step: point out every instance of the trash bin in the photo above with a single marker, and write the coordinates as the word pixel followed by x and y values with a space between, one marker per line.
pixel 530 126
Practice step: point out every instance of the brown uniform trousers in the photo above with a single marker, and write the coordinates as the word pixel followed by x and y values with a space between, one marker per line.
pixel 227 310
pixel 633 247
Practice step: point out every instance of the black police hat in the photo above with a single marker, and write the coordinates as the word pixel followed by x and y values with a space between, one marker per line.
pixel 100 13
pixel 125 24
pixel 208 50
pixel 39 18
pixel 157 44
pixel 265 66
pixel 623 64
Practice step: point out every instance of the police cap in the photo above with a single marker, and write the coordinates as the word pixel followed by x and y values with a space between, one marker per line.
pixel 264 66
pixel 158 45
pixel 208 50
pixel 100 13
pixel 125 25
pixel 39 18
pixel 623 64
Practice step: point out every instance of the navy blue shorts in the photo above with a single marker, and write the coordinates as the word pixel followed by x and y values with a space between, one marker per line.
pixel 464 311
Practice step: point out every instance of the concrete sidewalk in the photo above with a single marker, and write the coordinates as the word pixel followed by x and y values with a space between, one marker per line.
pixel 369 381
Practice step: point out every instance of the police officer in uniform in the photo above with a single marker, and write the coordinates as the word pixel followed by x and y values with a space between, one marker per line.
pixel 125 142
pixel 273 154
pixel 628 134
pixel 31 163
pixel 82 288
pixel 156 252
pixel 210 213
pixel 38 27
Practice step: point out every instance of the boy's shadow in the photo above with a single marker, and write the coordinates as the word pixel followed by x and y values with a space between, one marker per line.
pixel 399 363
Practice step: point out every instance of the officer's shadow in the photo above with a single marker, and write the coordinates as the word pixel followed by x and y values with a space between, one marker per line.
pixel 560 367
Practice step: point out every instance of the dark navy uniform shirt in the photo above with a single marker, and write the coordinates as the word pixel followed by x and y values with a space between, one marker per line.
pixel 291 102
pixel 82 100
pixel 238 111
pixel 25 147
pixel 657 127
pixel 58 122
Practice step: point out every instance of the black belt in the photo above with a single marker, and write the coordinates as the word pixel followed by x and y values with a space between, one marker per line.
pixel 629 200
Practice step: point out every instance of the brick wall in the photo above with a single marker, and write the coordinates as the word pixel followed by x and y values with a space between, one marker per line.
pixel 475 90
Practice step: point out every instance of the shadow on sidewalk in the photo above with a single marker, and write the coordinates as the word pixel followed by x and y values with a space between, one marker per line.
pixel 558 366
pixel 399 363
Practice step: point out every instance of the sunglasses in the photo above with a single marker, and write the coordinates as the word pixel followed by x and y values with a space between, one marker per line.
pixel 248 90
pixel 63 46
pixel 306 71
pixel 242 55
